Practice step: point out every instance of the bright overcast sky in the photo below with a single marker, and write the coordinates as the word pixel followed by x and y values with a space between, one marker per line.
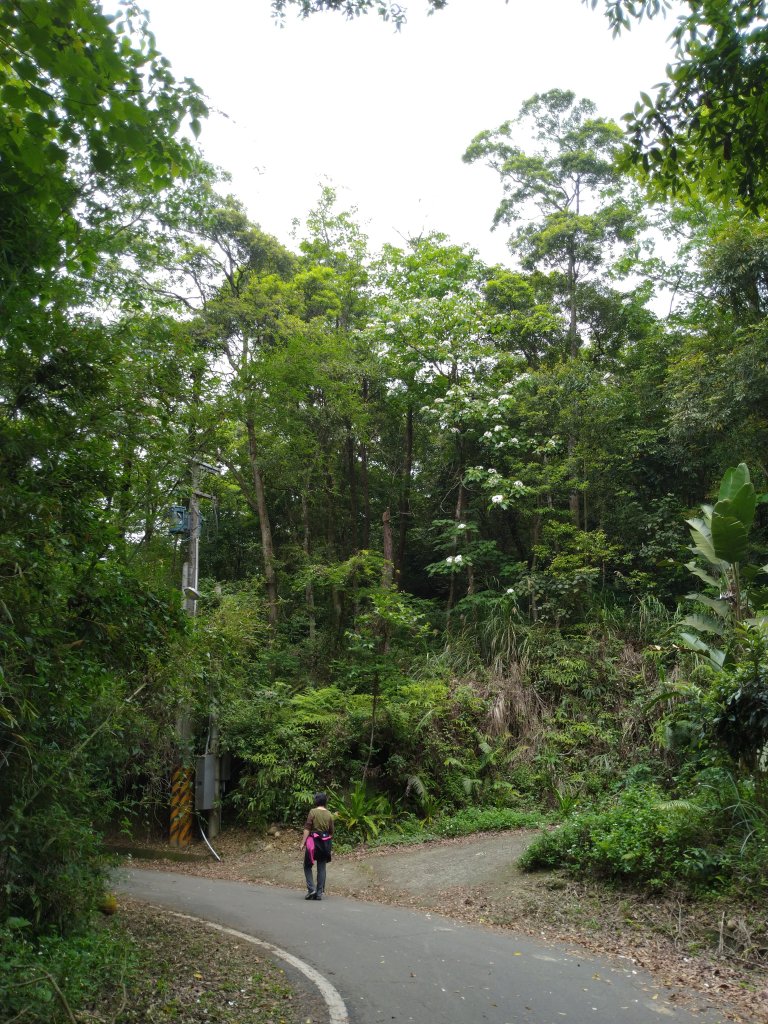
pixel 385 117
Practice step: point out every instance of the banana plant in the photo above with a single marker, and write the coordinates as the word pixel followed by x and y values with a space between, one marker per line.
pixel 721 538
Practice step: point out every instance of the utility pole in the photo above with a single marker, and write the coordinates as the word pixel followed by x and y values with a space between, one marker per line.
pixel 190 572
pixel 182 782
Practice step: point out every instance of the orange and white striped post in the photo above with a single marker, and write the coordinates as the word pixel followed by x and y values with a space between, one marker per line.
pixel 181 808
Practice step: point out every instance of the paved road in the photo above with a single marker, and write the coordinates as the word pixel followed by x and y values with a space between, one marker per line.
pixel 404 966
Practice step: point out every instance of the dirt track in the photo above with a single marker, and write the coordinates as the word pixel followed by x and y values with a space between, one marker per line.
pixel 420 874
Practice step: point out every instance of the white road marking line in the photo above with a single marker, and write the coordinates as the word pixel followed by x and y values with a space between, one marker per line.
pixel 337 1010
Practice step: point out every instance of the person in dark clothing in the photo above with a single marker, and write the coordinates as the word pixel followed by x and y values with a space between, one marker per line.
pixel 316 844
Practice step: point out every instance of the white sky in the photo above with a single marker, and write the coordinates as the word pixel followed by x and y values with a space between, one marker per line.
pixel 385 117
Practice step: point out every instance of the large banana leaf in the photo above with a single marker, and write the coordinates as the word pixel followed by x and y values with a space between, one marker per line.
pixel 702 539
pixel 721 608
pixel 729 536
pixel 712 581
pixel 693 643
pixel 733 481
pixel 703 623
pixel 741 506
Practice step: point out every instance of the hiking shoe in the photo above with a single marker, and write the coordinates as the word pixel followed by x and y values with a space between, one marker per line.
pixel 318 896
pixel 311 895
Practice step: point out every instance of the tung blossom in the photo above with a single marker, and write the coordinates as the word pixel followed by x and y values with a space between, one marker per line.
pixel 497 498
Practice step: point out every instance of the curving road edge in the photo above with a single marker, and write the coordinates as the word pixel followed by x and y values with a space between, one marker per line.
pixel 403 965
pixel 337 1009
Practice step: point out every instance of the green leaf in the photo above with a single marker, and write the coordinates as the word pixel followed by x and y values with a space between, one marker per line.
pixel 694 643
pixel 733 481
pixel 702 540
pixel 712 581
pixel 715 656
pixel 721 608
pixel 18 923
pixel 703 623
pixel 729 537
pixel 741 505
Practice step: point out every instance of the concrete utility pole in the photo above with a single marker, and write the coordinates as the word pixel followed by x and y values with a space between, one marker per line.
pixel 182 784
pixel 190 572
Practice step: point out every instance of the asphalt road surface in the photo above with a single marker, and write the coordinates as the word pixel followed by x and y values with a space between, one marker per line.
pixel 397 965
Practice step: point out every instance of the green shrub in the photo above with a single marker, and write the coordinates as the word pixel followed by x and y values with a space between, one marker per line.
pixel 485 819
pixel 54 867
pixel 412 832
pixel 361 814
pixel 49 979
pixel 641 839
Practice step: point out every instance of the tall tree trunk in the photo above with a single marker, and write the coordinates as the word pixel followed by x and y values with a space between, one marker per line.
pixel 309 590
pixel 351 468
pixel 535 535
pixel 387 573
pixel 470 581
pixel 366 496
pixel 387 578
pixel 574 501
pixel 374 712
pixel 364 481
pixel 585 520
pixel 124 495
pixel 264 524
pixel 150 515
pixel 458 517
pixel 405 492
pixel 573 332
pixel 573 346
pixel 330 540
pixel 573 335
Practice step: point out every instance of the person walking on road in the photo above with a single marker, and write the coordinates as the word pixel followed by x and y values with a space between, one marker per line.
pixel 316 844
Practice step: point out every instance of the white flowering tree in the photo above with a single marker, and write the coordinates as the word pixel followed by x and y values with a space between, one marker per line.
pixel 431 333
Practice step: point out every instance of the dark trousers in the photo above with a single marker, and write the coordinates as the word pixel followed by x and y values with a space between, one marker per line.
pixel 311 887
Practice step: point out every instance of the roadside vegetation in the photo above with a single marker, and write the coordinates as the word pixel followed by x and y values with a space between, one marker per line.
pixel 484 547
pixel 144 966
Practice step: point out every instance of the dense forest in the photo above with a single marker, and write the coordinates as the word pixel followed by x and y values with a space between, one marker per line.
pixel 477 541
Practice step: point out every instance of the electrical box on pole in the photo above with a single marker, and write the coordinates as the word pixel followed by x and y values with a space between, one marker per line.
pixel 178 520
pixel 206 779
